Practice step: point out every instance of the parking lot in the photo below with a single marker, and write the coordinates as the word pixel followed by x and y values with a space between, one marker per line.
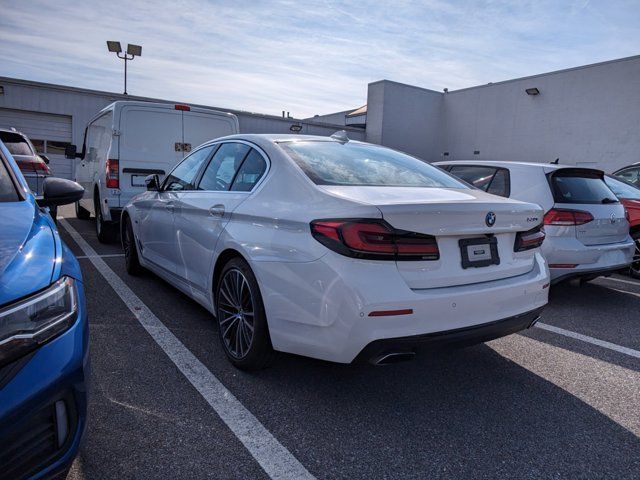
pixel 558 401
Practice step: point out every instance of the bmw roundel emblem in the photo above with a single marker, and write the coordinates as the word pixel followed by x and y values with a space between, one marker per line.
pixel 490 219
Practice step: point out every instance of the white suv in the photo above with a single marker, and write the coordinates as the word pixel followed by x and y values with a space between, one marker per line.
pixel 586 226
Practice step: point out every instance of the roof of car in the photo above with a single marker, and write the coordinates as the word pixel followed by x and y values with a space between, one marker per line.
pixel 503 163
pixel 279 137
pixel 11 130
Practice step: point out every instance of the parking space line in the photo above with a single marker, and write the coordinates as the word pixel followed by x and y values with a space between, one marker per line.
pixel 272 456
pixel 630 282
pixel 594 341
pixel 107 255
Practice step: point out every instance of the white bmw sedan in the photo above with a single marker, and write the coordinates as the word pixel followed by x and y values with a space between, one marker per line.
pixel 336 249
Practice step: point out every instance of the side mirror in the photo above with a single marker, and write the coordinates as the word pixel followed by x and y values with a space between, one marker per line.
pixel 44 158
pixel 152 182
pixel 59 191
pixel 71 151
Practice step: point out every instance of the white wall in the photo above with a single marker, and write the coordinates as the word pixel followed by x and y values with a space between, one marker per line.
pixel 404 117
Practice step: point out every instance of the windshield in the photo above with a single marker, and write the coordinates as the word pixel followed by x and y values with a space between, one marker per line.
pixel 16 143
pixel 8 191
pixel 622 189
pixel 361 164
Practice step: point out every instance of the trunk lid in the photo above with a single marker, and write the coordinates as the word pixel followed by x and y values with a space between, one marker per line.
pixel 585 189
pixel 452 215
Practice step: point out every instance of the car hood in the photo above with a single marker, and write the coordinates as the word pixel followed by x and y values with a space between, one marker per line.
pixel 27 250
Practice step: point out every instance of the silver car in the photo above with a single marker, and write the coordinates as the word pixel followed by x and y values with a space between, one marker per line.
pixel 586 225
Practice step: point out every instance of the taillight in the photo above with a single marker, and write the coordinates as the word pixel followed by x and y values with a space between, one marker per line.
pixel 184 108
pixel 25 165
pixel 41 167
pixel 113 176
pixel 562 216
pixel 374 239
pixel 530 239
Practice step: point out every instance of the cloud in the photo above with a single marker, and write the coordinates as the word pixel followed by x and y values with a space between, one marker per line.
pixel 305 57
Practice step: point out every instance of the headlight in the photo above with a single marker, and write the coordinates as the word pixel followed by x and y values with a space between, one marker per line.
pixel 33 321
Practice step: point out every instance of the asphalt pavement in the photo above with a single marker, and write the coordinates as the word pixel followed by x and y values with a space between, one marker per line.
pixel 539 404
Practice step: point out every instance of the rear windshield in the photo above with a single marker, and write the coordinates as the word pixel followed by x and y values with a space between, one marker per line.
pixel 8 191
pixel 333 163
pixel 16 143
pixel 580 187
pixel 623 189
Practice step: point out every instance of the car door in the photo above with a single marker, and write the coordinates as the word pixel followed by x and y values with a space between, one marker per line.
pixel 226 182
pixel 157 212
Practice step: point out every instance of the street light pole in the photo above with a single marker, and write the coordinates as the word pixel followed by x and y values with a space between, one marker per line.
pixel 132 51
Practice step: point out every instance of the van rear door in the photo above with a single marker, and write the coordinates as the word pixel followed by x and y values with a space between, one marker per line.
pixel 201 125
pixel 150 142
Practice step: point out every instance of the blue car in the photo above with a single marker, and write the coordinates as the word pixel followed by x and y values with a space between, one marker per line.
pixel 44 349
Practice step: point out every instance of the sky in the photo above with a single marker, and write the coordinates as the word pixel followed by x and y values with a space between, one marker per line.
pixel 306 57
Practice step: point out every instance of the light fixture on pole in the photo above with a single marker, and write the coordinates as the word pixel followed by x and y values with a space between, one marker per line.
pixel 132 51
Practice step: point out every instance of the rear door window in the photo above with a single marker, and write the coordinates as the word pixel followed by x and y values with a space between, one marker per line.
pixel 631 175
pixel 250 172
pixel 222 168
pixel 184 175
pixel 493 180
pixel 580 186
pixel 16 143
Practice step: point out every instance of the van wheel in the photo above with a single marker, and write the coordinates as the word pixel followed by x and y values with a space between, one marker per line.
pixel 132 262
pixel 105 231
pixel 634 269
pixel 242 322
pixel 81 212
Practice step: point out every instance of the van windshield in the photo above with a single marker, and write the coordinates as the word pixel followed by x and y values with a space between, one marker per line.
pixel 361 164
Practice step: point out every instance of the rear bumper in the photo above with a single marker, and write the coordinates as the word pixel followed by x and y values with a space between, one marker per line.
pixel 459 337
pixel 46 392
pixel 588 260
pixel 330 308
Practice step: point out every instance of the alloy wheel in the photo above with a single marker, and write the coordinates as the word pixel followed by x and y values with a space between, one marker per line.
pixel 236 313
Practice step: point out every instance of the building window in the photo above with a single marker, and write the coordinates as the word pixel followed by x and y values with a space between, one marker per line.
pixel 56 148
pixel 38 145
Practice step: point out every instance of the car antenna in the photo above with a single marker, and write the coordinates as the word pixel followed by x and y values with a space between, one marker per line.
pixel 555 162
pixel 340 136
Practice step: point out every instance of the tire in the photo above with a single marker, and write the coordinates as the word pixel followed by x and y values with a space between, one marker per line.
pixel 105 231
pixel 81 212
pixel 132 262
pixel 239 309
pixel 634 269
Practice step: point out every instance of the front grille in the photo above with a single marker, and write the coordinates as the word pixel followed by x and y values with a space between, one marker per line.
pixel 32 444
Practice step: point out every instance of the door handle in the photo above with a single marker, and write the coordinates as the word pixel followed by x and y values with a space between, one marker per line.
pixel 217 210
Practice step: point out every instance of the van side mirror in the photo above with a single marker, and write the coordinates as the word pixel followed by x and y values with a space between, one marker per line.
pixel 71 151
pixel 59 191
pixel 152 182
pixel 44 158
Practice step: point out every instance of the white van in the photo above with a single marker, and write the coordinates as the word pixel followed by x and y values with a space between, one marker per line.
pixel 128 140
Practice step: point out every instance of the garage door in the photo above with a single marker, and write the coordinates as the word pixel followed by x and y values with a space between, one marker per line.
pixel 49 134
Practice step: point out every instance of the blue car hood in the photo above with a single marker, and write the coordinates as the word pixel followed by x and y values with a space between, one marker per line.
pixel 27 250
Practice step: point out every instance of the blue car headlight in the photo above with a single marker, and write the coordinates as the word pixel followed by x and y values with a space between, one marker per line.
pixel 30 322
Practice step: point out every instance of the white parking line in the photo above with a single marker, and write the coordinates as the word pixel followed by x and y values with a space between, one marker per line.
pixel 594 341
pixel 630 282
pixel 272 456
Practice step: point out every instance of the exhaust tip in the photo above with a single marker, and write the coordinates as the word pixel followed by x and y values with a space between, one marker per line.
pixel 393 357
